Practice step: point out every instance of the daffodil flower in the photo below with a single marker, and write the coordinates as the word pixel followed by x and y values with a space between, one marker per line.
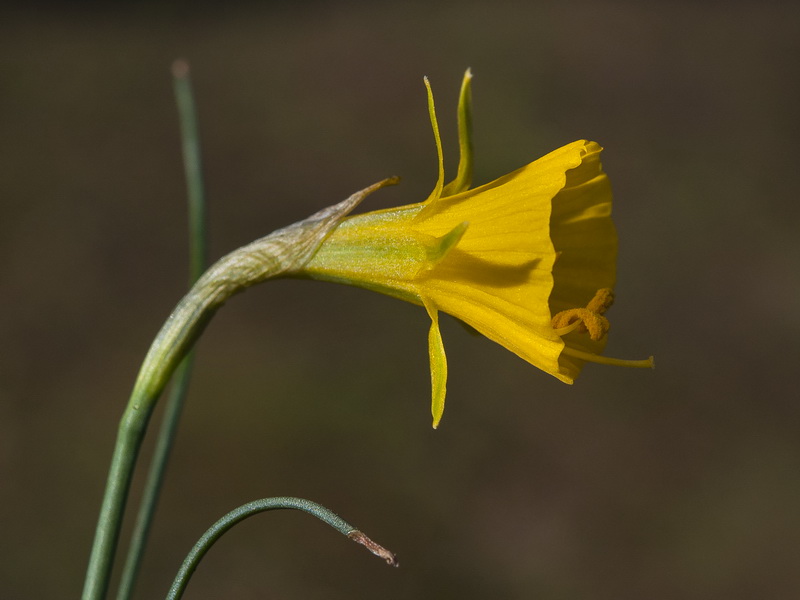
pixel 528 260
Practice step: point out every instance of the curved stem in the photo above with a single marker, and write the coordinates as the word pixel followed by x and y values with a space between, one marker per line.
pixel 281 253
pixel 216 531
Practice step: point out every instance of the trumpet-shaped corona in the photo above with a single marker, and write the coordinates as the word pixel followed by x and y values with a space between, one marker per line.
pixel 527 260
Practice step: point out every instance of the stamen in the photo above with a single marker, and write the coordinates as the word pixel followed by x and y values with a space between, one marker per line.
pixel 648 363
pixel 597 325
pixel 589 319
pixel 602 301
pixel 567 329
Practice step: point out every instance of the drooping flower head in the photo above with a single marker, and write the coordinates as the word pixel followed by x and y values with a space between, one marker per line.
pixel 527 260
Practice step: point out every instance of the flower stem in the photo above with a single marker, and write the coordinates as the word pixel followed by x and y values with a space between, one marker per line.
pixel 282 253
pixel 197 261
pixel 253 508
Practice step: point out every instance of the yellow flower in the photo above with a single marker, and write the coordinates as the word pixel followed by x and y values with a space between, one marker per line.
pixel 516 259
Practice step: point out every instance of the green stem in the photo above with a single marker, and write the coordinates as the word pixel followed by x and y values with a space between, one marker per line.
pixel 174 404
pixel 281 253
pixel 216 531
pixel 129 438
pixel 155 478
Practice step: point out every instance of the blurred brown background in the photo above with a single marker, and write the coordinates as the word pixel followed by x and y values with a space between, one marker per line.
pixel 678 483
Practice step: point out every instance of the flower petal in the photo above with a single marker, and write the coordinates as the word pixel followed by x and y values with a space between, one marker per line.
pixel 464 175
pixel 438 365
pixel 437 190
pixel 586 242
pixel 498 279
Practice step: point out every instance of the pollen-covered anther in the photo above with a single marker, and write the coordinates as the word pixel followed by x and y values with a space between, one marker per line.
pixel 589 319
pixel 582 319
pixel 602 301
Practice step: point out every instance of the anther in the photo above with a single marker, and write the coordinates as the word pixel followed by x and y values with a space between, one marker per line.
pixel 602 301
pixel 589 319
